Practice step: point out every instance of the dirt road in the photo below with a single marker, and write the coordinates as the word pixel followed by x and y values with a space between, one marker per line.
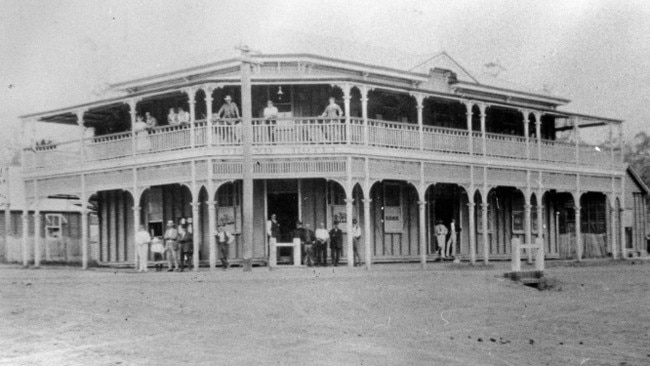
pixel 391 315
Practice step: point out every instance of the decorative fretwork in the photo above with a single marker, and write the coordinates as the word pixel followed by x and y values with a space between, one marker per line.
pixel 595 183
pixel 445 173
pixel 108 180
pixel 394 169
pixel 165 174
pixel 559 181
pixel 506 177
pixel 292 168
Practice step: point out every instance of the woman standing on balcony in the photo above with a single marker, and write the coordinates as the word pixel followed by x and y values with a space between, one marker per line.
pixel 151 120
pixel 140 129
pixel 172 117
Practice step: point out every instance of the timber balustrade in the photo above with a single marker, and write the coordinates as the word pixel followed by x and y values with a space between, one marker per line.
pixel 300 131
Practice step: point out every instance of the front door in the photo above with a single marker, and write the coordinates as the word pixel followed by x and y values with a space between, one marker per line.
pixel 285 206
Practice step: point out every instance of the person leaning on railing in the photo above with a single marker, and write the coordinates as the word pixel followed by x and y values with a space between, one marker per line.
pixel 230 113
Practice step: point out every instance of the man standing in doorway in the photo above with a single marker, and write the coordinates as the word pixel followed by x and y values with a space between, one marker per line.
pixel 441 237
pixel 309 238
pixel 273 230
pixel 336 243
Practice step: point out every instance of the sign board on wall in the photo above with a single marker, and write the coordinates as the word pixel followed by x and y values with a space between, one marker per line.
pixel 393 219
pixel 228 216
pixel 339 214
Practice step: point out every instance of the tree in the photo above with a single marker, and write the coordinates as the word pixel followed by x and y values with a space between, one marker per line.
pixel 637 155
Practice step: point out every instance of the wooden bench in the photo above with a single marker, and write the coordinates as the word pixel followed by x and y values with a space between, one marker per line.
pixel 537 248
pixel 273 252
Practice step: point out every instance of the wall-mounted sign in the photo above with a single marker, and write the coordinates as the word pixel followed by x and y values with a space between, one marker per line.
pixel 393 219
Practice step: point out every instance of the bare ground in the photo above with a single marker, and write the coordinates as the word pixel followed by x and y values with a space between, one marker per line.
pixel 392 315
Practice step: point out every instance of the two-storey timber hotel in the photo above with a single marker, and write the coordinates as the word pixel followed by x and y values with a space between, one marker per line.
pixel 412 149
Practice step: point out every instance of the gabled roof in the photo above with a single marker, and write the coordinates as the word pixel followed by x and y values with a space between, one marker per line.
pixel 637 179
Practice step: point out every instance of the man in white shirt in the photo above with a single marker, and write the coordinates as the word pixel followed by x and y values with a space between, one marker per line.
pixel 441 237
pixel 356 236
pixel 450 249
pixel 270 115
pixel 322 236
pixel 142 239
pixel 224 239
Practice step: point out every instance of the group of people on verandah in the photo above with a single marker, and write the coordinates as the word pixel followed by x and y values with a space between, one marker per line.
pixel 227 115
pixel 314 244
pixel 176 246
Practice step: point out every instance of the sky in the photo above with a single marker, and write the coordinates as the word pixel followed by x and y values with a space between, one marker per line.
pixel 55 54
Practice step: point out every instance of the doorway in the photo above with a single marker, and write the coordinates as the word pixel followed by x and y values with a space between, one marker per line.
pixel 285 206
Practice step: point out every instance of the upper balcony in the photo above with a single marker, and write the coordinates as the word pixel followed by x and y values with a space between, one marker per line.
pixel 223 138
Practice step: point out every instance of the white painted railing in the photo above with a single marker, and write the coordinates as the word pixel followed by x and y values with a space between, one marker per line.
pixel 200 133
pixel 393 134
pixel 226 132
pixel 313 131
pixel 556 151
pixel 505 146
pixel 445 140
pixel 593 155
pixel 166 138
pixel 299 131
pixel 112 146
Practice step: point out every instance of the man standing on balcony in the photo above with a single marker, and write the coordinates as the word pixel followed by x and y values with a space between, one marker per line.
pixel 332 111
pixel 270 115
pixel 229 110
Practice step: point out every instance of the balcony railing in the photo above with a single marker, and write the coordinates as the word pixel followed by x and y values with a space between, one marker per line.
pixel 318 131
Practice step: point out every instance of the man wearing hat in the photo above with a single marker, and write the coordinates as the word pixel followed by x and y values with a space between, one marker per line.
pixel 228 109
pixel 171 245
pixel 336 243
